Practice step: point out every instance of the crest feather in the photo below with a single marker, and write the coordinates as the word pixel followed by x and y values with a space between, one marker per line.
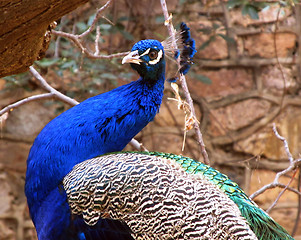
pixel 186 48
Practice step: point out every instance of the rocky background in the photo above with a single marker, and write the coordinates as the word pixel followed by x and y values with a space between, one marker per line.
pixel 246 76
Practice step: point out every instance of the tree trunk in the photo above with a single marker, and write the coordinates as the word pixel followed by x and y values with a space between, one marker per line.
pixel 23 27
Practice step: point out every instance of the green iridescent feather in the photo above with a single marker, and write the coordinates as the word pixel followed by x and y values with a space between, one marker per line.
pixel 260 222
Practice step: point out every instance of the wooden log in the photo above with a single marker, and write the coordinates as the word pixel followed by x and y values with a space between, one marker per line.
pixel 23 32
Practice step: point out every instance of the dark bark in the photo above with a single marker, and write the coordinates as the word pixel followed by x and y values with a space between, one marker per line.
pixel 23 27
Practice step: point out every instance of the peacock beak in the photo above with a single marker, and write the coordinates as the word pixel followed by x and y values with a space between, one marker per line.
pixel 132 57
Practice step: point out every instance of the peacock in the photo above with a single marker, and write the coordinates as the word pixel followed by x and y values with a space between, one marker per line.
pixel 78 189
pixel 101 124
pixel 166 196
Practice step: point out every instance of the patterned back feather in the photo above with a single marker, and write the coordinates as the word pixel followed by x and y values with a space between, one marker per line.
pixel 260 222
pixel 165 196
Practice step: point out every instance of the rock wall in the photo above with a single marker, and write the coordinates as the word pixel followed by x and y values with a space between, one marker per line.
pixel 249 92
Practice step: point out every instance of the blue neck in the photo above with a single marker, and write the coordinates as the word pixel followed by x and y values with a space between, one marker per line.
pixel 101 124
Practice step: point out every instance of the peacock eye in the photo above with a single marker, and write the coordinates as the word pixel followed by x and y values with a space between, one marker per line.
pixel 153 54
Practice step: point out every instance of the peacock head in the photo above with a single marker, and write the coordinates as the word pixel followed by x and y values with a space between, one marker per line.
pixel 147 58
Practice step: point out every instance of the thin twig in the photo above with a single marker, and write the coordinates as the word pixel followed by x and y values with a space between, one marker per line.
pixel 75 39
pixel 285 144
pixel 196 126
pixel 50 89
pixel 10 107
pixel 273 185
pixel 97 16
pixel 52 93
pixel 97 40
pixel 281 193
pixel 293 165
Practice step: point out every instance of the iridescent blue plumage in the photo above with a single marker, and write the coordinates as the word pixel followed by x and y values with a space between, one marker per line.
pixel 101 124
pixel 188 51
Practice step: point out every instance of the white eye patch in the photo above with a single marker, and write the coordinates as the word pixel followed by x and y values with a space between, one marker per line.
pixel 146 52
pixel 160 54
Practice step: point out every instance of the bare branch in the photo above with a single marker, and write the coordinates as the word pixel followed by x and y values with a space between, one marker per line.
pixel 281 193
pixel 285 144
pixel 25 100
pixel 52 93
pixel 294 164
pixel 273 185
pixel 196 126
pixel 50 89
pixel 97 40
pixel 76 38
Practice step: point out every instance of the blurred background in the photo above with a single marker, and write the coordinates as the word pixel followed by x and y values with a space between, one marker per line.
pixel 246 76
